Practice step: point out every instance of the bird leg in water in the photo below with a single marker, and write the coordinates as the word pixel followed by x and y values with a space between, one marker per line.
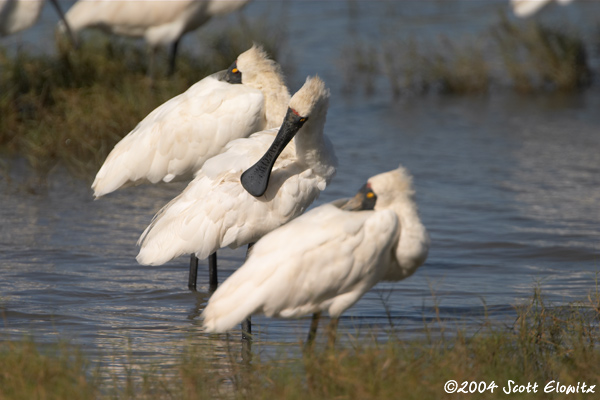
pixel 193 276
pixel 332 332
pixel 312 333
pixel 247 327
pixel 213 282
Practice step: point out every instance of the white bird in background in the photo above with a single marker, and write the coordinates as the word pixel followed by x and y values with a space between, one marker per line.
pixel 18 15
pixel 526 8
pixel 216 211
pixel 175 139
pixel 326 259
pixel 160 23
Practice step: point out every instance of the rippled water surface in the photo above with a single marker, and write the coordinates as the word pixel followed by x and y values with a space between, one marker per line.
pixel 507 186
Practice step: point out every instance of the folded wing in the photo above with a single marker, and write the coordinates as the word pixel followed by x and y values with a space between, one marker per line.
pixel 175 139
pixel 324 260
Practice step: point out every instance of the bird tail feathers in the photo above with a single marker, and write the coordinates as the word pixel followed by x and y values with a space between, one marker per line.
pixel 229 308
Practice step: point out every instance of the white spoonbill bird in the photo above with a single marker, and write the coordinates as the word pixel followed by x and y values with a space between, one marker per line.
pixel 175 139
pixel 215 211
pixel 18 15
pixel 526 8
pixel 326 259
pixel 159 22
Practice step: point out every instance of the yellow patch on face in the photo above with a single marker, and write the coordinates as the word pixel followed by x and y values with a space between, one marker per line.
pixel 235 70
pixel 370 195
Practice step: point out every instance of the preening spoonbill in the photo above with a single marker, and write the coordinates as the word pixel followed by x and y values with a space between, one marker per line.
pixel 18 15
pixel 215 211
pixel 326 259
pixel 526 8
pixel 160 23
pixel 175 140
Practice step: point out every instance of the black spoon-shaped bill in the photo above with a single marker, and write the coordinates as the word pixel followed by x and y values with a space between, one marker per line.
pixel 256 178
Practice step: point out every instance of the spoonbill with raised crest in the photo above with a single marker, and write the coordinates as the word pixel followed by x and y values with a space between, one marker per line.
pixel 328 258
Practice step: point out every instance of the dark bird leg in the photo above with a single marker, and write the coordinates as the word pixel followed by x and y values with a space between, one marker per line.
pixel 213 282
pixel 193 276
pixel 61 15
pixel 247 327
pixel 173 57
pixel 312 333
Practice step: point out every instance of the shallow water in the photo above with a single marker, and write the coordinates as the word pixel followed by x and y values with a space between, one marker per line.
pixel 508 187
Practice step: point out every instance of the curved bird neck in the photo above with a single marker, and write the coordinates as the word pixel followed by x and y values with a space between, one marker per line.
pixel 314 149
pixel 277 97
pixel 413 240
pixel 276 105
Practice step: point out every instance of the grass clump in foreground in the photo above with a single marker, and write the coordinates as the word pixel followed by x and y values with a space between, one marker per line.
pixel 74 107
pixel 26 372
pixel 545 344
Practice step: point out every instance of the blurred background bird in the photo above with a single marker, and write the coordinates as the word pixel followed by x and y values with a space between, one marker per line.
pixel 18 15
pixel 527 8
pixel 159 23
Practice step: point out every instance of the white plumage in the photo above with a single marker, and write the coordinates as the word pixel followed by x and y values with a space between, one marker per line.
pixel 215 211
pixel 18 15
pixel 326 259
pixel 526 8
pixel 175 139
pixel 160 23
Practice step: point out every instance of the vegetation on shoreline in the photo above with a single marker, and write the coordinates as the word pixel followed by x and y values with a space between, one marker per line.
pixel 71 109
pixel 526 57
pixel 545 344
